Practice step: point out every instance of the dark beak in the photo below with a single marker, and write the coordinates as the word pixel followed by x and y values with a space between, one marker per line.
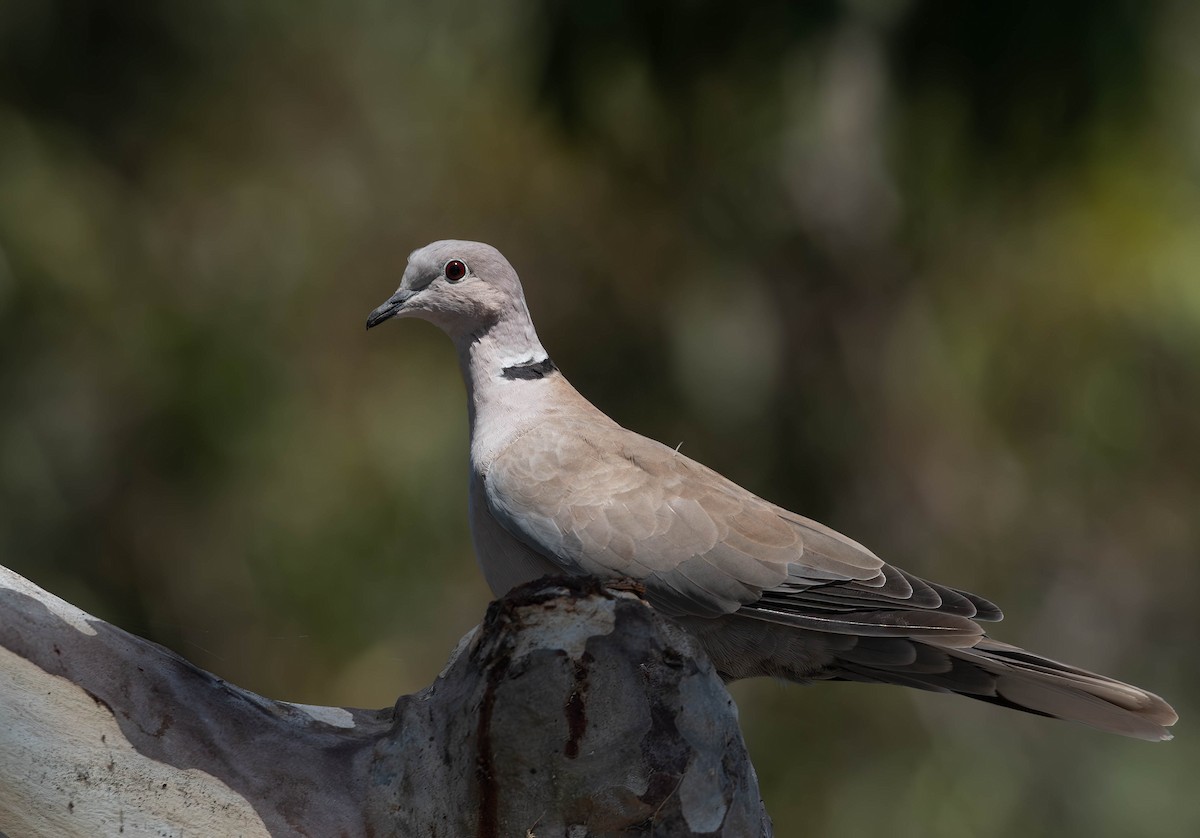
pixel 389 309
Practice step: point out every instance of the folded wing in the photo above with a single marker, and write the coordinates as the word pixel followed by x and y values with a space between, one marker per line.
pixel 601 500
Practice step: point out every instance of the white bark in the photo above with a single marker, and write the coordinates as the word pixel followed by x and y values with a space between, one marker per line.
pixel 573 710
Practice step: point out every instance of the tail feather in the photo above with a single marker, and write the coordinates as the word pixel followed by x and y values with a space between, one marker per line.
pixel 1013 677
pixel 1040 682
pixel 907 649
pixel 1068 701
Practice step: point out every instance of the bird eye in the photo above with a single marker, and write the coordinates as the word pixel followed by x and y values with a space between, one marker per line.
pixel 455 270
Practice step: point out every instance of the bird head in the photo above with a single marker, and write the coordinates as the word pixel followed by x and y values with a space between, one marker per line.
pixel 462 287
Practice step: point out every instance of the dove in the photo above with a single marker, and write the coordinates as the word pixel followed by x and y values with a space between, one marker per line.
pixel 559 488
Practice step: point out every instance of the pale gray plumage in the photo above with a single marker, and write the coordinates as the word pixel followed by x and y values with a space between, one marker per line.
pixel 557 487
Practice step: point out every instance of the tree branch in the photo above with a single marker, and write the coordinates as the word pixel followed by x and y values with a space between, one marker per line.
pixel 573 709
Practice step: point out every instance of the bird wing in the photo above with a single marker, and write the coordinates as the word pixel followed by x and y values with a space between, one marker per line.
pixel 601 500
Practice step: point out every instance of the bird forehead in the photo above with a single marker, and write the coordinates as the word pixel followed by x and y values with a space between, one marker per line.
pixel 438 253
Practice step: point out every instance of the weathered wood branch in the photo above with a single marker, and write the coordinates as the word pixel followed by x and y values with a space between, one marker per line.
pixel 572 710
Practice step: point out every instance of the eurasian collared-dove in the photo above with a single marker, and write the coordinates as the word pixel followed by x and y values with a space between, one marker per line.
pixel 557 487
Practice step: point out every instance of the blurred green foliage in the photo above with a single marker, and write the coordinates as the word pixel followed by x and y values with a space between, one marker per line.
pixel 928 273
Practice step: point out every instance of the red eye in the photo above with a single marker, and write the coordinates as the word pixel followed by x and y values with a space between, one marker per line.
pixel 455 270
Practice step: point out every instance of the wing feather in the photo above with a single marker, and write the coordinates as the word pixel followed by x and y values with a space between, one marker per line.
pixel 601 500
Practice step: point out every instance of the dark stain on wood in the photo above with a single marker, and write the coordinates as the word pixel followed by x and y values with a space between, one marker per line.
pixel 576 707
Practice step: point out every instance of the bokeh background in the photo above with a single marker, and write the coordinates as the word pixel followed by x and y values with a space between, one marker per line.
pixel 927 272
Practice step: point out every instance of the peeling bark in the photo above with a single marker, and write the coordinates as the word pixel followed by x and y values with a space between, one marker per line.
pixel 572 710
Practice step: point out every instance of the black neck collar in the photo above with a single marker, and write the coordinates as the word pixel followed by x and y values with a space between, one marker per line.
pixel 529 370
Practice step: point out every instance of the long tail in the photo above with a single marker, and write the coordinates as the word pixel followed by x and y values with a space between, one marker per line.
pixel 1012 677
